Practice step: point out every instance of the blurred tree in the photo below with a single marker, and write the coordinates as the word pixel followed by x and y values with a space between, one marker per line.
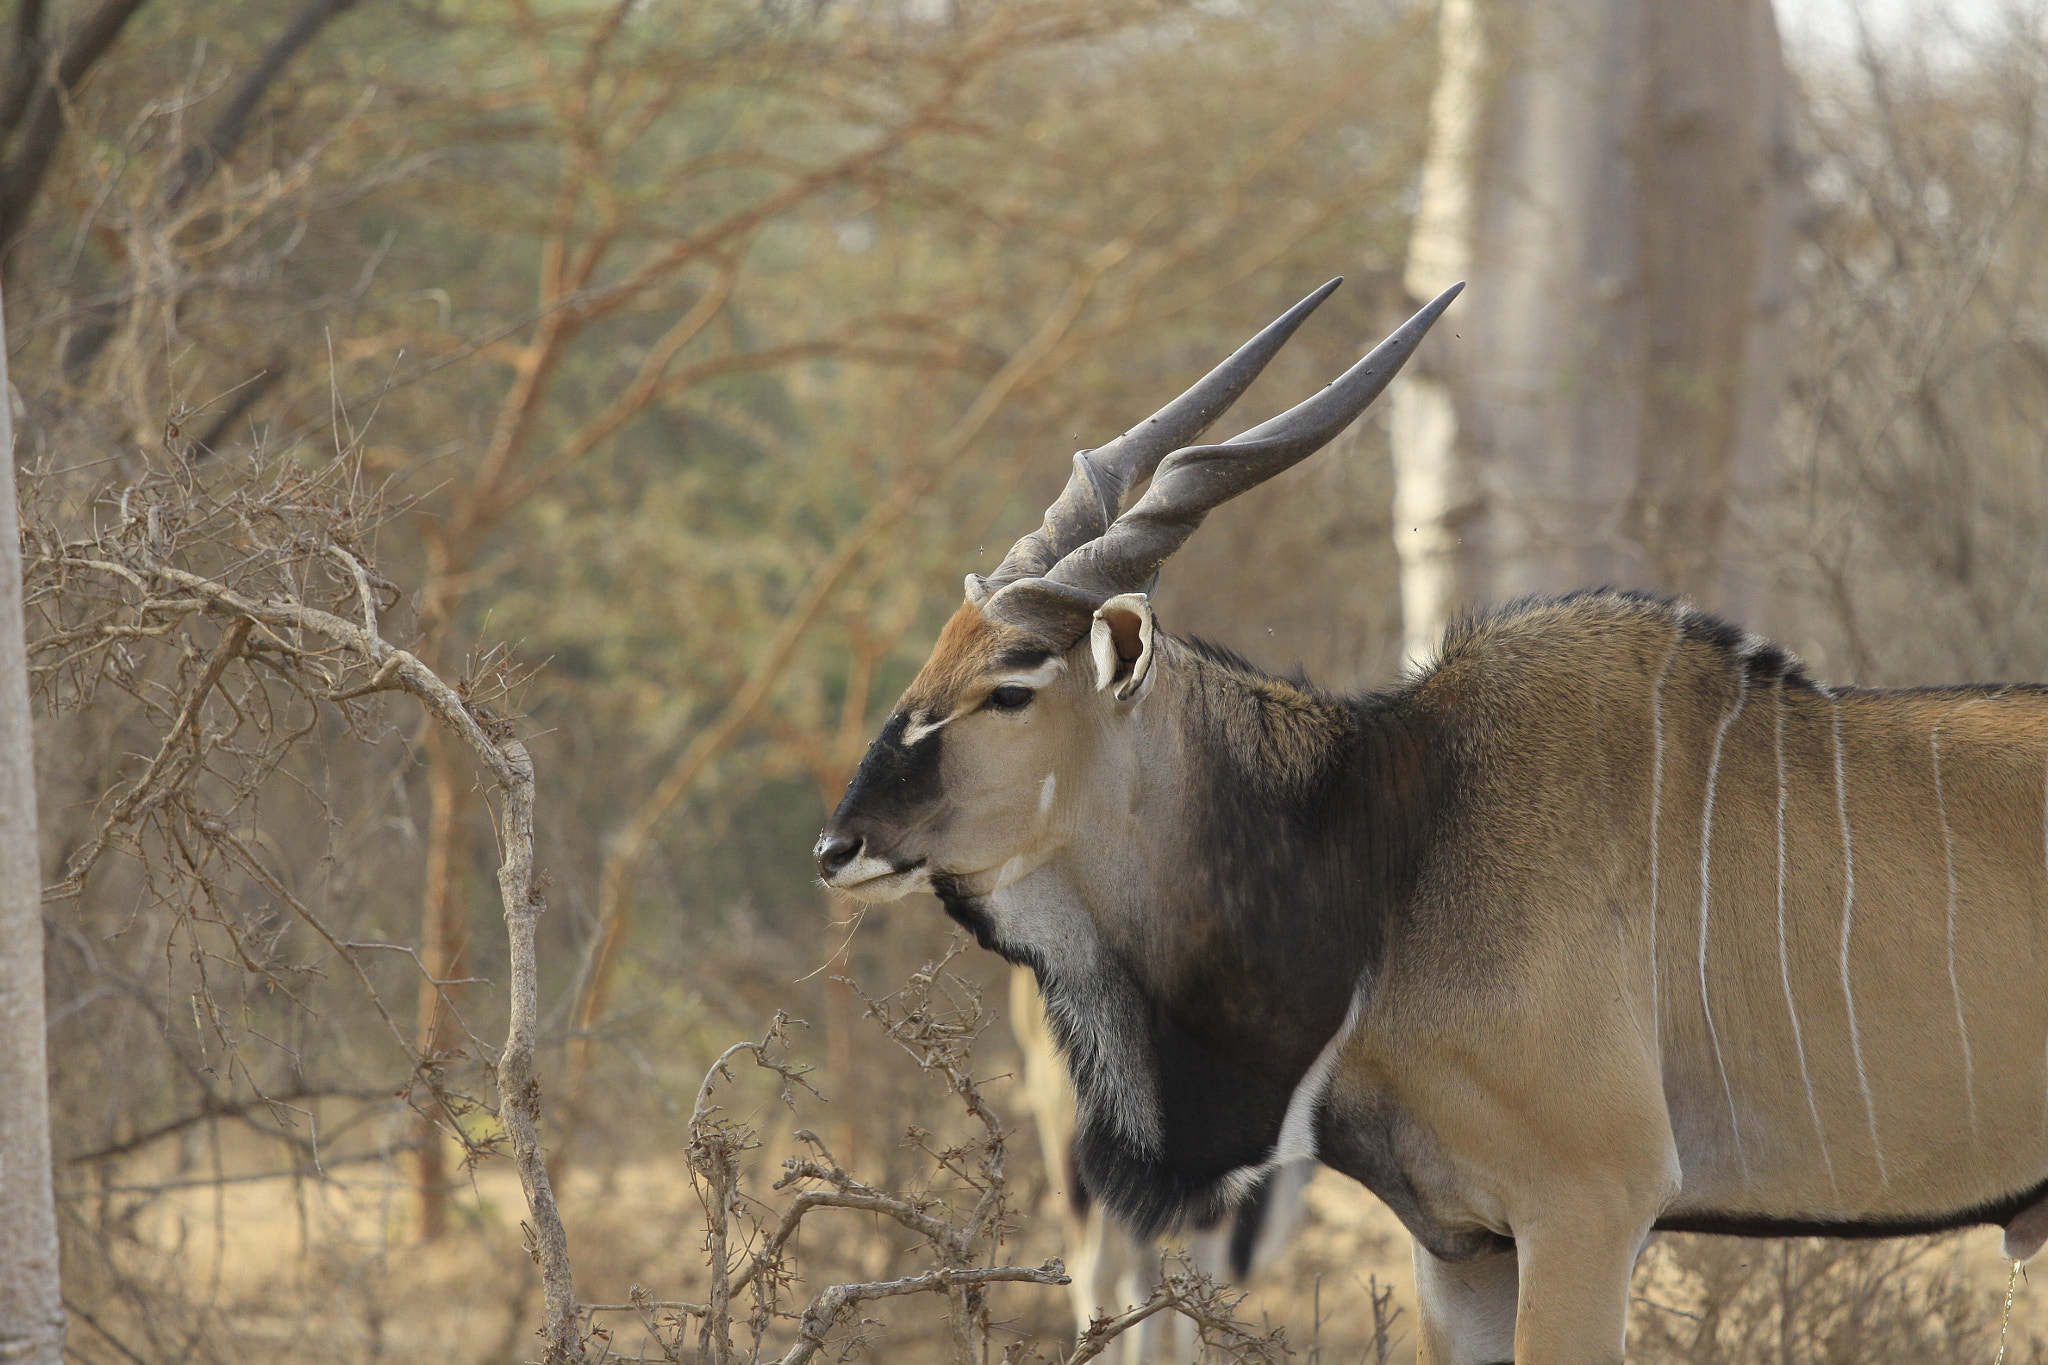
pixel 31 1301
pixel 1911 522
pixel 1617 180
pixel 43 73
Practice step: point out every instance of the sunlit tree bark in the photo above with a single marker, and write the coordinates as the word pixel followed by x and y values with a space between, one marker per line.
pixel 1615 180
pixel 31 1307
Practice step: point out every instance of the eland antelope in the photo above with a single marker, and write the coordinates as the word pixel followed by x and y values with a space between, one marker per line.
pixel 1609 920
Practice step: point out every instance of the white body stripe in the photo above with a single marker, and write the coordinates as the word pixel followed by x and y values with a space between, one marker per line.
pixel 1785 958
pixel 1656 809
pixel 1297 1139
pixel 1848 927
pixel 1948 858
pixel 1706 895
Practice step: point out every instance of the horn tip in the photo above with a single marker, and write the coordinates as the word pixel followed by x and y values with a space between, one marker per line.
pixel 1431 311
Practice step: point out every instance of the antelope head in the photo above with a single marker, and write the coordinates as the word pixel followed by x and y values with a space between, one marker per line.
pixel 1037 684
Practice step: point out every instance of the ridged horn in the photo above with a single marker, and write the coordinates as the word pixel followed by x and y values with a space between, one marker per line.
pixel 1094 492
pixel 1193 481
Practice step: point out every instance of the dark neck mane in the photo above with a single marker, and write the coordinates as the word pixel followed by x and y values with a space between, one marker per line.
pixel 1305 815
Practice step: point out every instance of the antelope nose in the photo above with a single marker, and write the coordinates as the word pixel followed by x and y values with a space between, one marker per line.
pixel 834 852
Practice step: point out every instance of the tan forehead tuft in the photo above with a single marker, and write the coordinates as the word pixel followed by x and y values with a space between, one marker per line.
pixel 969 648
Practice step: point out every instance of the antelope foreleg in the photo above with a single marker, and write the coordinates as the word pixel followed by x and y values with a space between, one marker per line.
pixel 1576 1256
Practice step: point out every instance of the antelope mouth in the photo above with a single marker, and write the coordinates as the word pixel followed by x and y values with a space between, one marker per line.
pixel 877 881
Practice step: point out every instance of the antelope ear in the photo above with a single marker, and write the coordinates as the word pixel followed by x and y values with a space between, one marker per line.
pixel 1120 638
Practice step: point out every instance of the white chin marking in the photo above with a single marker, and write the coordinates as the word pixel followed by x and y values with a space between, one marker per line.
pixel 870 879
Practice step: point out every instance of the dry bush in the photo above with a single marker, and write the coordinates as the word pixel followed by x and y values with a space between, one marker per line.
pixel 363 272
pixel 1811 1302
pixel 671 353
pixel 239 619
pixel 788 1297
pixel 271 569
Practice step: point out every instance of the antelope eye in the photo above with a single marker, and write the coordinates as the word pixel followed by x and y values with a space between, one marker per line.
pixel 1011 697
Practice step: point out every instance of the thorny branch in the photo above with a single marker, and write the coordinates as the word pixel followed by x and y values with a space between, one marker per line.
pixel 962 1222
pixel 238 613
pixel 126 577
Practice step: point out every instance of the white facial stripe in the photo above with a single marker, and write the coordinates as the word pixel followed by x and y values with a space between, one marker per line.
pixel 1035 679
pixel 1045 791
pixel 1041 676
pixel 913 734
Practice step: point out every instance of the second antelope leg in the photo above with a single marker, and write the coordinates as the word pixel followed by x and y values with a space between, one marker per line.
pixel 1467 1308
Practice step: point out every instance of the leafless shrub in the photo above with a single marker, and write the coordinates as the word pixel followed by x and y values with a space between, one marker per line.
pixel 1816 1302
pixel 959 1216
pixel 272 569
pixel 189 610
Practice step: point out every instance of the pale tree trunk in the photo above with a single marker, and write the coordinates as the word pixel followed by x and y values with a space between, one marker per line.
pixel 31 1306
pixel 1615 179
pixel 444 952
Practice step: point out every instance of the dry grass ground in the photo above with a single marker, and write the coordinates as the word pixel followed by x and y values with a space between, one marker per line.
pixel 327 1270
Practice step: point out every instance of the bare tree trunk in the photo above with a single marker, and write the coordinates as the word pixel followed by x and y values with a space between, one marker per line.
pixel 31 1303
pixel 1613 177
pixel 444 950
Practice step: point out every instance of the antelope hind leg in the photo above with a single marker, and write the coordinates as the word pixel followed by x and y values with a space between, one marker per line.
pixel 1467 1308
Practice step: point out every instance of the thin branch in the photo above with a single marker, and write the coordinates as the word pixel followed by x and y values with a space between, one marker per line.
pixel 511 767
pixel 834 1303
